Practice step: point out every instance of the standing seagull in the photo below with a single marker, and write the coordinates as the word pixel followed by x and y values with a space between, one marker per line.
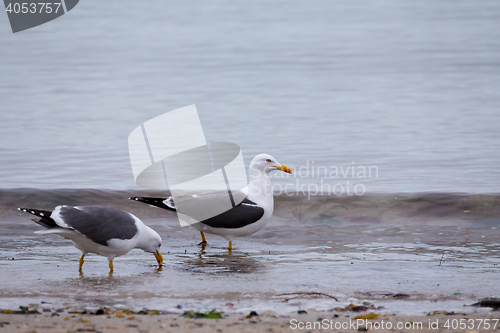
pixel 251 215
pixel 106 231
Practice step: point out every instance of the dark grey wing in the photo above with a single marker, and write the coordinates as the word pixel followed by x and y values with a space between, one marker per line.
pixel 98 223
pixel 247 212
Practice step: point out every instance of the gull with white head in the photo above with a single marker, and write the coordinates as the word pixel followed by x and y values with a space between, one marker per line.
pixel 107 231
pixel 244 219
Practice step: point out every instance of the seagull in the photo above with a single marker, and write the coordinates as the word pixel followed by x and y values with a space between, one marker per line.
pixel 107 231
pixel 244 219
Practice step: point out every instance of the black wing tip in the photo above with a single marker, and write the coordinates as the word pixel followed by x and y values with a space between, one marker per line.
pixel 147 199
pixel 44 216
pixel 153 202
pixel 36 212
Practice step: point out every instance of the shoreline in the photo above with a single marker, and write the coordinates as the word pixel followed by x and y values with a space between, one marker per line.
pixel 155 321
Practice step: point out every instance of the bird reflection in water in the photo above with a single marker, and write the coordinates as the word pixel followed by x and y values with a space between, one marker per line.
pixel 223 262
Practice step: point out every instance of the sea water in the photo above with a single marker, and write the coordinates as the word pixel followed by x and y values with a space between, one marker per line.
pixel 404 89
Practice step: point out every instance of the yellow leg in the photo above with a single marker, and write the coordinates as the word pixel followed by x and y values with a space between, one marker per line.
pixel 81 263
pixel 111 266
pixel 230 248
pixel 203 239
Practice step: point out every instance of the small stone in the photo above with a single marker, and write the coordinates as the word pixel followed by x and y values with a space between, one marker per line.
pixel 252 314
pixel 302 312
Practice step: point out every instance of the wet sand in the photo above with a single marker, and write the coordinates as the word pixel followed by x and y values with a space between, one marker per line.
pixel 243 322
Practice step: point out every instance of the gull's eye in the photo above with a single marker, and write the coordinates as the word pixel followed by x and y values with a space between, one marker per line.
pixel 268 161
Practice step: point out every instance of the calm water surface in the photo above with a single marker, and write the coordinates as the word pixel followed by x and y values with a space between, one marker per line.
pixel 409 87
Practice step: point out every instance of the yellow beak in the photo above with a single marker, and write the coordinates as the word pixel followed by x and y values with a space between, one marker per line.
pixel 284 168
pixel 159 258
